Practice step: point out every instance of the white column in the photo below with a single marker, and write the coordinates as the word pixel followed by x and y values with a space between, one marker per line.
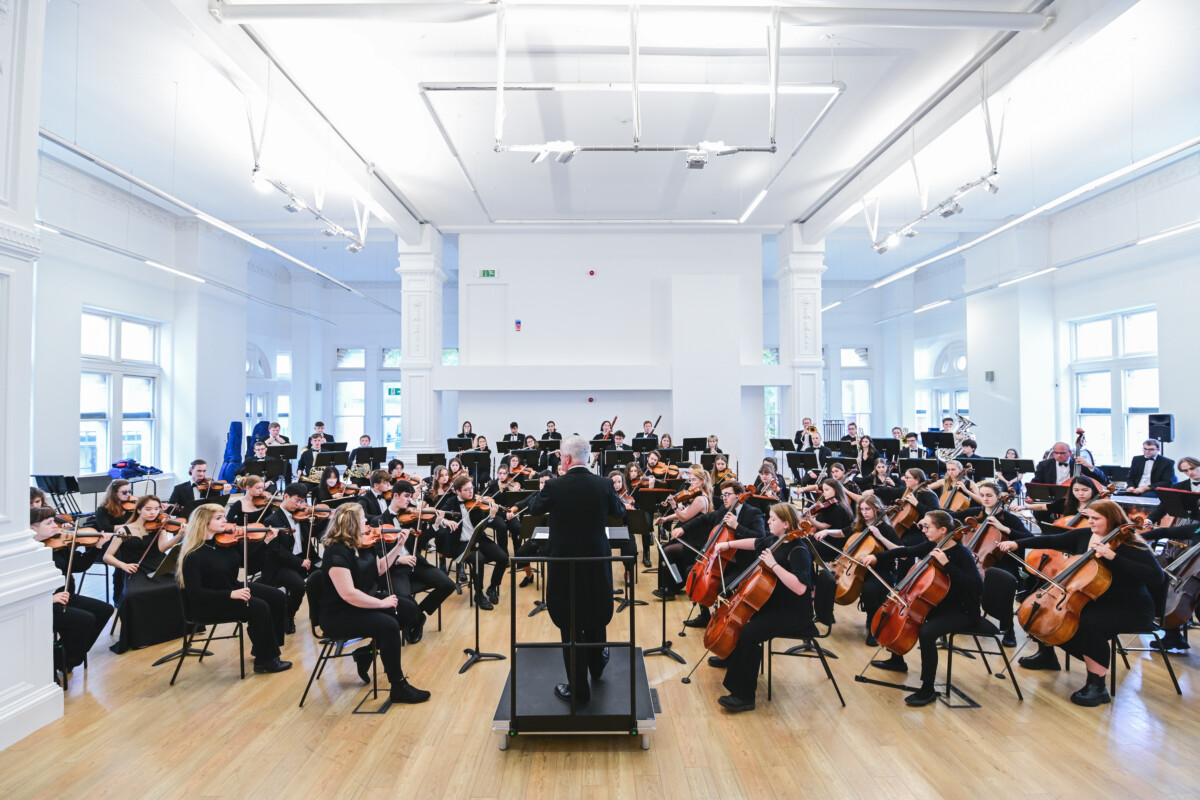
pixel 800 268
pixel 421 281
pixel 28 696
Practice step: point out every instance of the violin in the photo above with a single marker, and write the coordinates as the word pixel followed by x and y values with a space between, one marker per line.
pixel 898 621
pixel 427 515
pixel 704 581
pixel 388 534
pixel 233 534
pixel 210 485
pixel 339 490
pixel 487 504
pixel 686 496
pixel 771 488
pixel 166 523
pixel 1183 588
pixel 84 537
pixel 747 594
pixel 817 508
pixel 1051 614
pixel 319 511
pixel 665 471
pixel 129 505
pixel 725 475
pixel 264 500
pixel 64 520
pixel 627 499
pixel 522 472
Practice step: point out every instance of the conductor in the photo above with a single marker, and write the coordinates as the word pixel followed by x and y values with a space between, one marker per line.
pixel 579 503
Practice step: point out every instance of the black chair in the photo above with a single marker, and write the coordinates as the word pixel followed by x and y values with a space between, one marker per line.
pixel 58 663
pixel 331 647
pixel 999 590
pixel 191 627
pixel 824 588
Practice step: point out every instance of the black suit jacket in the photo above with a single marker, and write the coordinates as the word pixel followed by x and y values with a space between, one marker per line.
pixel 1161 474
pixel 579 504
pixel 182 494
pixel 373 506
pixel 1047 472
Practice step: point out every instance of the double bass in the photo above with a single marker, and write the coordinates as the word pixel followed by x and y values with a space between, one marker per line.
pixel 897 623
pixel 747 595
pixel 704 581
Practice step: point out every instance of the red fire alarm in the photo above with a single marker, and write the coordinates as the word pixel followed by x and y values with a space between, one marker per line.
pixel 589 399
pixel 591 272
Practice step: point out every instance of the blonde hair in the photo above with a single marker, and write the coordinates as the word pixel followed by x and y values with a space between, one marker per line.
pixel 245 482
pixel 705 479
pixel 195 534
pixel 786 513
pixel 346 526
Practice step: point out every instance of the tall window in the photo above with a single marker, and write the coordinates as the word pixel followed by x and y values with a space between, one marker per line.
pixel 349 410
pixel 283 414
pixel 118 391
pixel 770 414
pixel 856 403
pixel 391 414
pixel 1114 380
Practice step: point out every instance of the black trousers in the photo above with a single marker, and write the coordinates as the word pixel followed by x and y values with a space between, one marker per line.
pixel 589 658
pixel 368 623
pixel 940 622
pixel 292 582
pixel 874 593
pixel 741 675
pixel 1099 621
pixel 79 624
pixel 487 552
pixel 420 577
pixel 683 557
pixel 265 615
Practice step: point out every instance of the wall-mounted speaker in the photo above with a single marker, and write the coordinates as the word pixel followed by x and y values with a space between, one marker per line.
pixel 1162 427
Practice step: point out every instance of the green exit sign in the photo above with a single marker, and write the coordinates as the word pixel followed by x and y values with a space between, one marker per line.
pixel 393 392
pixel 487 273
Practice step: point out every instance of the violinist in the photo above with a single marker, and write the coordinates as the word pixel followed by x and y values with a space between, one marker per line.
pixel 629 546
pixel 651 463
pixel 634 482
pixel 1060 467
pixel 511 527
pixel 37 498
pixel 439 489
pixel 149 610
pixel 872 519
pixel 375 500
pixel 767 484
pixel 305 466
pixel 690 528
pixel 250 509
pixel 1150 470
pixel 957 490
pixel 721 471
pixel 787 612
pixel 475 514
pixel 115 509
pixel 190 491
pixel 78 620
pixel 530 547
pixel 834 510
pixel 867 455
pixel 330 487
pixel 208 574
pixel 411 573
pixel 455 466
pixel 1128 603
pixel 288 559
pixel 957 611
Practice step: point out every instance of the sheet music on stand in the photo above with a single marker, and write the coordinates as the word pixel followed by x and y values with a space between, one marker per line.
pixel 457 444
pixel 337 458
pixel 285 452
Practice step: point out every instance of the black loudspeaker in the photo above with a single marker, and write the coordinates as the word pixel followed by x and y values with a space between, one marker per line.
pixel 1162 427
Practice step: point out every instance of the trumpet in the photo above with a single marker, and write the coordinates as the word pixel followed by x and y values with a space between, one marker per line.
pixel 806 437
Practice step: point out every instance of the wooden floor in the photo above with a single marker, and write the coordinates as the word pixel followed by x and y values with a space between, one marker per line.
pixel 127 734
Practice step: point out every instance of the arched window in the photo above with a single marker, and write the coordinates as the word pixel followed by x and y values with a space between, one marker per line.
pixel 951 361
pixel 257 365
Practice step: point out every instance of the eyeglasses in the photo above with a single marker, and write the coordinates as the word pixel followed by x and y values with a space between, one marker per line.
pixel 728 494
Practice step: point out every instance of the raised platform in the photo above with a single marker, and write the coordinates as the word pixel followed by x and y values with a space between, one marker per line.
pixel 540 711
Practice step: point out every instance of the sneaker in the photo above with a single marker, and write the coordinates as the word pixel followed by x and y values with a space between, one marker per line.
pixel 1043 659
pixel 922 697
pixel 405 692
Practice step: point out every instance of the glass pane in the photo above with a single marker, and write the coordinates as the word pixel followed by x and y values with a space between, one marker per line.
pixel 1141 332
pixel 1137 430
pixel 348 429
pixel 1093 339
pixel 94 337
pixel 93 394
pixel 137 341
pixel 136 440
pixel 391 433
pixel 283 365
pixel 349 399
pixel 1094 392
pixel 962 402
pixel 771 356
pixel 391 398
pixel 351 359
pixel 283 405
pixel 854 356
pixel 137 397
pixel 450 357
pixel 960 363
pixel 856 397
pixel 93 446
pixel 1141 391
pixel 1097 431
pixel 390 358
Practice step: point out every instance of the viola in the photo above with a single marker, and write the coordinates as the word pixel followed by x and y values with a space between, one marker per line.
pixel 898 621
pixel 1051 614
pixel 704 581
pixel 233 534
pixel 319 511
pixel 747 594
pixel 1183 588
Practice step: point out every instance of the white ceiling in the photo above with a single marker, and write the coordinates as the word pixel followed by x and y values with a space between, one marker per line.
pixel 136 82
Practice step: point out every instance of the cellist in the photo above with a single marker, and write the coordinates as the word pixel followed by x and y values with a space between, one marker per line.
pixel 788 612
pixel 958 610
pixel 1126 605
pixel 872 520
pixel 956 489
pixel 1083 491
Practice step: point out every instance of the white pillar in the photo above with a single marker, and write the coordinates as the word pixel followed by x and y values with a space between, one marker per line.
pixel 28 696
pixel 800 268
pixel 421 282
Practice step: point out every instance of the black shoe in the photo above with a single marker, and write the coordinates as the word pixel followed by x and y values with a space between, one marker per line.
pixel 405 692
pixel 290 628
pixel 363 658
pixel 599 673
pixel 922 697
pixel 461 575
pixel 1009 639
pixel 646 560
pixel 1043 659
pixel 483 603
pixel 526 581
pixel 871 641
pixel 736 703
pixel 493 595
pixel 893 664
pixel 1170 642
pixel 714 661
pixel 273 666
pixel 698 622
pixel 663 594
pixel 416 630
pixel 1093 693
pixel 563 692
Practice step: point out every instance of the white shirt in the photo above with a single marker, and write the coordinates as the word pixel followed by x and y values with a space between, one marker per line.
pixel 1147 468
pixel 467 529
pixel 292 524
pixel 1063 471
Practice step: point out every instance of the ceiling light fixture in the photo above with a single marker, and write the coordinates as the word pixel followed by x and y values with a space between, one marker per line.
pixel 947 208
pixel 696 159
pixel 746 215
pixel 173 271
pixel 1026 277
pixel 296 204
pixel 354 247
pixel 937 304
pixel 1169 232
pixel 831 306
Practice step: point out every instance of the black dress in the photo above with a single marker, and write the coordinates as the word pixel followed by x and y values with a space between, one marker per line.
pixel 150 612
pixel 784 614
pixel 236 515
pixel 210 574
pixel 107 523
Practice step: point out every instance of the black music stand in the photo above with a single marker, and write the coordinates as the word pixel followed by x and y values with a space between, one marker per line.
pixel 613 459
pixel 782 445
pixel 528 457
pixel 333 447
pixel 541 533
pixel 890 448
pixel 286 452
pixel 664 649
pixel 694 444
pixel 1021 465
pixel 927 465
pixel 1179 503
pixel 1045 492
pixel 458 443
pixel 471 551
pixel 270 471
pixel 432 460
pixel 619 533
pixel 937 440
pixel 844 449
pixel 644 444
pixel 708 459
pixel 219 499
pixel 375 456
pixel 983 468
pixel 671 455
pixel 504 447
pixel 477 464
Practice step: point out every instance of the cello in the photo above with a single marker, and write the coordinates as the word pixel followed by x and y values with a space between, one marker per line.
pixel 1051 614
pixel 898 621
pixel 704 581
pixel 1052 562
pixel 902 515
pixel 987 537
pixel 955 500
pixel 849 571
pixel 1183 588
pixel 746 595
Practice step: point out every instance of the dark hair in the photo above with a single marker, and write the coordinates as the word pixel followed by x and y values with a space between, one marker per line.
pixel 395 462
pixel 403 487
pixel 947 419
pixel 911 435
pixel 296 490
pixel 513 425
pixel 461 481
pixel 737 486
pixel 942 519
pixel 195 464
pixel 330 470
pixel 971 443
pixel 839 494
pixel 318 424
pixel 916 472
pixel 619 433
pixel 313 436
pixel 1072 504
pixel 36 492
pixel 380 476
pixel 39 515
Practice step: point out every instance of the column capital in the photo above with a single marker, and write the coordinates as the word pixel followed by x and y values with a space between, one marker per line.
pixel 423 257
pixel 796 254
